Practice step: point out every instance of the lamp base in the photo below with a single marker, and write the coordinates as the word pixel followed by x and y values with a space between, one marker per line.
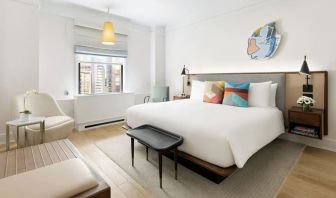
pixel 308 94
pixel 307 88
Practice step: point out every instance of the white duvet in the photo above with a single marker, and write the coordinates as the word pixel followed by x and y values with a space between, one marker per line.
pixel 220 134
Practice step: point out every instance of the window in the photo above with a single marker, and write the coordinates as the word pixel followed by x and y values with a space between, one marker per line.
pixel 99 74
pixel 99 67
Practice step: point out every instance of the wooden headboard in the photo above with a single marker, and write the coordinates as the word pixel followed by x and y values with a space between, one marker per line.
pixel 319 80
pixel 290 87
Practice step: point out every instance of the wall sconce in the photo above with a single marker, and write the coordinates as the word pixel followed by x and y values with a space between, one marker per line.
pixel 307 89
pixel 184 72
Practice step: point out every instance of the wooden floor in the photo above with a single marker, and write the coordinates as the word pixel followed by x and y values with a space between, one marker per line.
pixel 121 184
pixel 314 174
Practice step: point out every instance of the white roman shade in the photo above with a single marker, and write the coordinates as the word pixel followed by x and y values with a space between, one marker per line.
pixel 88 41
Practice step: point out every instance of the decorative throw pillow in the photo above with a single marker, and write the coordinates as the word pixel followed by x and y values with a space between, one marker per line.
pixel 213 92
pixel 236 94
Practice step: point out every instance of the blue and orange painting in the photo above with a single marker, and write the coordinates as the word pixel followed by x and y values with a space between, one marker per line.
pixel 264 42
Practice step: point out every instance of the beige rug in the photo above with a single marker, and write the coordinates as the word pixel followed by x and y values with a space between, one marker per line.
pixel 261 176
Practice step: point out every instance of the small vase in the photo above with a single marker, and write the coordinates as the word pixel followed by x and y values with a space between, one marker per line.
pixel 24 116
pixel 305 108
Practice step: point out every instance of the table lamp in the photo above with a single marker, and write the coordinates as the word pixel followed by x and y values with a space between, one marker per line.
pixel 307 89
pixel 184 72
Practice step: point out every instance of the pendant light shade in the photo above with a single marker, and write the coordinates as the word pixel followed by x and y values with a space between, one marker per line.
pixel 108 37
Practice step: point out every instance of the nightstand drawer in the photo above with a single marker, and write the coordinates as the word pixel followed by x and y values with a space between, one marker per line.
pixel 305 118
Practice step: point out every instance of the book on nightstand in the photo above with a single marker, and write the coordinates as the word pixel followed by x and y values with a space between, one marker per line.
pixel 301 130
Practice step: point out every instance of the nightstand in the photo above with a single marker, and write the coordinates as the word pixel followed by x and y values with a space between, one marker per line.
pixel 309 124
pixel 180 97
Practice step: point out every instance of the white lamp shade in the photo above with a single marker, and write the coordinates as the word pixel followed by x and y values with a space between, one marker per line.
pixel 108 37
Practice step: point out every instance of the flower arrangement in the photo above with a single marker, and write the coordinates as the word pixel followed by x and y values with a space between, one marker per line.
pixel 25 112
pixel 305 102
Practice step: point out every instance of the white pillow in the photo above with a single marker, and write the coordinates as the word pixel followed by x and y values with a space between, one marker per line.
pixel 272 102
pixel 197 90
pixel 259 94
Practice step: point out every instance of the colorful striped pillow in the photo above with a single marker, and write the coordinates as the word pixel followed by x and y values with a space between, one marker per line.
pixel 213 92
pixel 236 94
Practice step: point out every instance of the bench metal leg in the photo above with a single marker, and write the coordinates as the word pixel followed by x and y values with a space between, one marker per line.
pixel 132 150
pixel 175 159
pixel 160 168
pixel 147 153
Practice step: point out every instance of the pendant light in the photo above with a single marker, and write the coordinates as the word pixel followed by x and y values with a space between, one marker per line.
pixel 108 37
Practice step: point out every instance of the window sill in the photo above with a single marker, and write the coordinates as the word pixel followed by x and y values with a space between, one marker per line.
pixel 104 94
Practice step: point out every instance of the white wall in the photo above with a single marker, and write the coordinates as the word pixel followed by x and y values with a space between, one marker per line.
pixel 36 51
pixel 18 52
pixel 219 44
pixel 56 55
pixel 158 62
pixel 137 70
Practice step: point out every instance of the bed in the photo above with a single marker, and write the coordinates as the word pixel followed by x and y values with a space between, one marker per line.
pixel 219 134
pixel 218 138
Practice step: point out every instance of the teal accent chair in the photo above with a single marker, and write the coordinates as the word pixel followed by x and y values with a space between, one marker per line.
pixel 158 94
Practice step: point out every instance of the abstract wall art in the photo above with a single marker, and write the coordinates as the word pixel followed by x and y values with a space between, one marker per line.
pixel 264 42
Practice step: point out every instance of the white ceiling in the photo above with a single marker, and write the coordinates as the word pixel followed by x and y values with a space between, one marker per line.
pixel 166 12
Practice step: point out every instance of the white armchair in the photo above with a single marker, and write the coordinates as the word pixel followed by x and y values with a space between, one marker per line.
pixel 57 124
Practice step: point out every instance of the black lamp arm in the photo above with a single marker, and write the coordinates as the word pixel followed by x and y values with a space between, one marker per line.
pixel 188 74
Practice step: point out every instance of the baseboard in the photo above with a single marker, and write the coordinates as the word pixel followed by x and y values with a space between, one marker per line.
pixel 326 143
pixel 80 127
pixel 99 123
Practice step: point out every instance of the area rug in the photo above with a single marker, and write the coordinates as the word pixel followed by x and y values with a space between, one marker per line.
pixel 261 176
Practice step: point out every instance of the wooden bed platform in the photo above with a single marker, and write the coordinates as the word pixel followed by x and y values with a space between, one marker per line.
pixel 210 171
pixel 25 159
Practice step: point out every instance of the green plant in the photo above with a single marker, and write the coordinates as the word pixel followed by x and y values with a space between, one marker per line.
pixel 25 111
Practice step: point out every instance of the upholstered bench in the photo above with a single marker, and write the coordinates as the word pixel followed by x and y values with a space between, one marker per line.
pixel 157 139
pixel 63 179
pixel 55 167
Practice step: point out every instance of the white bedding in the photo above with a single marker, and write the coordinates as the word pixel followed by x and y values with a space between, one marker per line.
pixel 220 134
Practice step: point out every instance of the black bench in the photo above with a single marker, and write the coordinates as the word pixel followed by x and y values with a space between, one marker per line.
pixel 157 139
